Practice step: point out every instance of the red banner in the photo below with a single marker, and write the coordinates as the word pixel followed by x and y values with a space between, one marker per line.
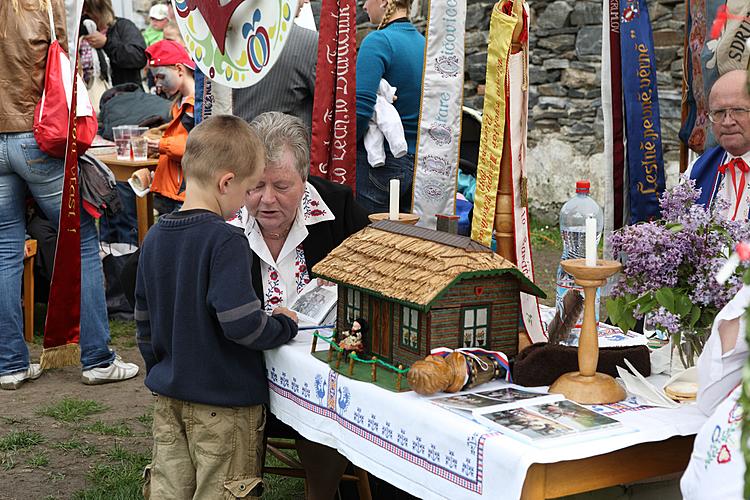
pixel 333 154
pixel 62 327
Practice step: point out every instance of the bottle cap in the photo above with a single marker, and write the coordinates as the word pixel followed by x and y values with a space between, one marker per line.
pixel 583 187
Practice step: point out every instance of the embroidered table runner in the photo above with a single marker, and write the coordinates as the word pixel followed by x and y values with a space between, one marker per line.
pixel 425 450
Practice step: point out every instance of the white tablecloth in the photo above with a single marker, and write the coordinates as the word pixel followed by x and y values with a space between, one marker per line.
pixel 425 450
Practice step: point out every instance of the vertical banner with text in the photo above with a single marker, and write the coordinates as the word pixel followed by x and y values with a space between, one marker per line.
pixel 333 153
pixel 646 179
pixel 436 162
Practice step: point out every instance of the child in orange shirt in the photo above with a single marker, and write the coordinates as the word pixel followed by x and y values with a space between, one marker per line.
pixel 173 71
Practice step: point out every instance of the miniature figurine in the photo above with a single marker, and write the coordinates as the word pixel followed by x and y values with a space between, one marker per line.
pixel 352 340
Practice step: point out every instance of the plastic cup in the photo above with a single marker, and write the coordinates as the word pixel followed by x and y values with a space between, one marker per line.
pixel 139 143
pixel 122 141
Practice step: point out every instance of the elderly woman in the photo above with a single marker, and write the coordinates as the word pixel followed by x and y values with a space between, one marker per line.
pixel 292 221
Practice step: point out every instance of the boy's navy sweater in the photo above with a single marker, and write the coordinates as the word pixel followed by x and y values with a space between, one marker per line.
pixel 200 325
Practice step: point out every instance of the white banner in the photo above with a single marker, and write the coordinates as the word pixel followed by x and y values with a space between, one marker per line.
pixel 518 104
pixel 436 163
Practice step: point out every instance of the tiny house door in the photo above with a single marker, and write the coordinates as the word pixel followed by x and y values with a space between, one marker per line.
pixel 381 321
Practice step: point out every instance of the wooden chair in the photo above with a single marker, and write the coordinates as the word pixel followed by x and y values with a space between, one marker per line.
pixel 294 467
pixel 28 290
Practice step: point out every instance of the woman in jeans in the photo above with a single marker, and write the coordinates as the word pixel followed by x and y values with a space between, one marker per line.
pixel 26 170
pixel 395 53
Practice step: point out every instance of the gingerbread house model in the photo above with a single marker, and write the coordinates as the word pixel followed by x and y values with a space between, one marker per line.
pixel 420 289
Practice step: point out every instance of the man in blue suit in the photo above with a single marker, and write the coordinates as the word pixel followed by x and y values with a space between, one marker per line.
pixel 724 168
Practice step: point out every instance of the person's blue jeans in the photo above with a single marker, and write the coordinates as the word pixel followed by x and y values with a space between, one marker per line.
pixel 24 168
pixel 373 183
pixel 123 226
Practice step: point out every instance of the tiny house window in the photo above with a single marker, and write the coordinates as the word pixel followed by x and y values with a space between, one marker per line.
pixel 475 326
pixel 409 328
pixel 353 305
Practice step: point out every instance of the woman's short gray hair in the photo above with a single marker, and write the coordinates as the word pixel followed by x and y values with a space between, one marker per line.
pixel 278 131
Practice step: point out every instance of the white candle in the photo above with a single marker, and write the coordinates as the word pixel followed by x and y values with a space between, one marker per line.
pixel 591 242
pixel 393 207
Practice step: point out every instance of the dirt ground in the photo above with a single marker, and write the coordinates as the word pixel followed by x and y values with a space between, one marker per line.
pixel 98 454
pixel 60 465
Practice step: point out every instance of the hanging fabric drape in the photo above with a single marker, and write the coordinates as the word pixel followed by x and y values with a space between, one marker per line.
pixel 501 202
pixel 333 153
pixel 63 322
pixel 436 159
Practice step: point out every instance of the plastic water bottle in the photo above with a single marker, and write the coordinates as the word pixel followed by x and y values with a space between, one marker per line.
pixel 573 215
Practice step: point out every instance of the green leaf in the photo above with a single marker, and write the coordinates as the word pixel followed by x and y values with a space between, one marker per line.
pixel 665 298
pixel 675 228
pixel 627 321
pixel 695 314
pixel 683 305
pixel 614 309
pixel 746 277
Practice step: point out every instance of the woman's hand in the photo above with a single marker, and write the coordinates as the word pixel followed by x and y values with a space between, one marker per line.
pixel 286 312
pixel 322 282
pixel 96 39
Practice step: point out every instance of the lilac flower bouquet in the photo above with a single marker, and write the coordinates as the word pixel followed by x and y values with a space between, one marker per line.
pixel 669 269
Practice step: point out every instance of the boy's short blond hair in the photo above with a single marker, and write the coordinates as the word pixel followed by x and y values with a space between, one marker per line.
pixel 222 143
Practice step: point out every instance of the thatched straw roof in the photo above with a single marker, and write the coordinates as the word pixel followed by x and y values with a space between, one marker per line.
pixel 410 264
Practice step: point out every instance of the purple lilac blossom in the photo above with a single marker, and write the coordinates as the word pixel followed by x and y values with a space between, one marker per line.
pixel 683 251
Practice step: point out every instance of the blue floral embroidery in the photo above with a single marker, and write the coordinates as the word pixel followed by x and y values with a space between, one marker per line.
pixel 284 380
pixel 402 439
pixel 344 398
pixel 295 385
pixel 472 443
pixel 359 418
pixel 372 423
pixel 387 431
pixel 417 445
pixel 450 460
pixel 467 468
pixel 433 454
pixel 306 391
pixel 320 387
pixel 274 377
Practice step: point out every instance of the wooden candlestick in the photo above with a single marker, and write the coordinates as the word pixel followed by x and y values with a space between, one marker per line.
pixel 411 219
pixel 586 386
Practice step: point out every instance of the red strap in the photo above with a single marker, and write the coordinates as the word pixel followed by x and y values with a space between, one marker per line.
pixel 732 166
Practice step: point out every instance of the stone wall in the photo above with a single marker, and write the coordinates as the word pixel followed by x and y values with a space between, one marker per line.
pixel 565 115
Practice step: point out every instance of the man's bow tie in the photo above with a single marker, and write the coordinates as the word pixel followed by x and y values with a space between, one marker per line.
pixel 734 165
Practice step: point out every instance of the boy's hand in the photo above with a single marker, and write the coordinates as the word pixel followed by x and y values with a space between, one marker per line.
pixel 286 312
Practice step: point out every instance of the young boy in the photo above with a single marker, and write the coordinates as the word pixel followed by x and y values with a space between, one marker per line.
pixel 173 72
pixel 201 328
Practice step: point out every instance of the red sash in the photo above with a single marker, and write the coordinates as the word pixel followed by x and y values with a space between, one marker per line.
pixel 333 154
pixel 62 327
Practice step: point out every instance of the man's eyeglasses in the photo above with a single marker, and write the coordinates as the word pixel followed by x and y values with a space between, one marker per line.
pixel 718 115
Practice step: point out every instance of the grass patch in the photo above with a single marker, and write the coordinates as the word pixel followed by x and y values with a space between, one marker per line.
pixel 545 235
pixel 72 410
pixel 99 427
pixel 19 440
pixel 38 460
pixel 7 462
pixel 282 487
pixel 147 418
pixel 122 333
pixel 120 479
pixel 84 449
